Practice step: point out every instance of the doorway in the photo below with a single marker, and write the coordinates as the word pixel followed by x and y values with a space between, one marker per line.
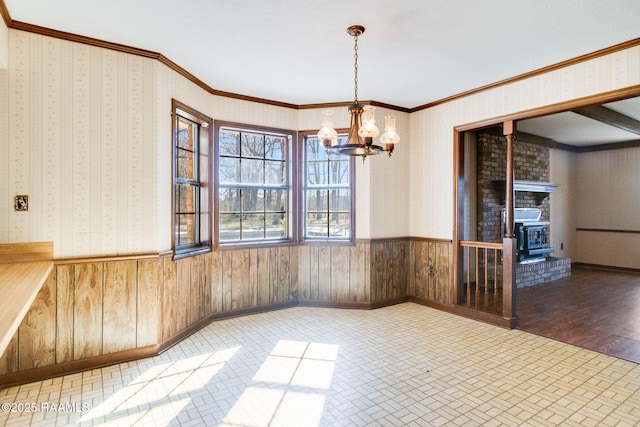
pixel 565 234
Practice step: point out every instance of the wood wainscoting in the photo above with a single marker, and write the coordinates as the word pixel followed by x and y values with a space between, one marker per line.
pixel 100 311
pixel 371 274
pixel 431 273
pixel 97 312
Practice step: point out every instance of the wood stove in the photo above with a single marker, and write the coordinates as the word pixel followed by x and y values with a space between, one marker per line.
pixel 531 235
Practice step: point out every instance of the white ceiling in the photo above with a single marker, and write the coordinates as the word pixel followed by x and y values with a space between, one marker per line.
pixel 297 51
pixel 574 129
pixel 413 52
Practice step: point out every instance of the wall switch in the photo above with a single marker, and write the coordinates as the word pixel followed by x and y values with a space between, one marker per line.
pixel 21 203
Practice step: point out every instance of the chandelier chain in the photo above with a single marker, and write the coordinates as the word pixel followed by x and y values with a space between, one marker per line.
pixel 355 67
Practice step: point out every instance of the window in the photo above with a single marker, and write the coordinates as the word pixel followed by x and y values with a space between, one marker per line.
pixel 191 217
pixel 327 193
pixel 254 190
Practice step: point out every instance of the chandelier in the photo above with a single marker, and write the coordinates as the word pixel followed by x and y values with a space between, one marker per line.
pixel 362 128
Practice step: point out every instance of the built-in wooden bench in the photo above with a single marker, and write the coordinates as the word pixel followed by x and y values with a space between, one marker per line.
pixel 24 267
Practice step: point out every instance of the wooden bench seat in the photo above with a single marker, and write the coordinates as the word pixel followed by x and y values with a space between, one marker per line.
pixel 24 267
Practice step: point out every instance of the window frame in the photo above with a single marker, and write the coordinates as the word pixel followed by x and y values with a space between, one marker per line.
pixel 291 186
pixel 203 214
pixel 302 167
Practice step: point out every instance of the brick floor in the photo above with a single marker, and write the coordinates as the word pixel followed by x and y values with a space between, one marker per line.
pixel 395 366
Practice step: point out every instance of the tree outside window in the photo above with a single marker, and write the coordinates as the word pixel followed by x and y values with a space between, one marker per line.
pixel 327 193
pixel 254 189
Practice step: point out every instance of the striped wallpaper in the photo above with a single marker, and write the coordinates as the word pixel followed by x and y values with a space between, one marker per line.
pixel 88 139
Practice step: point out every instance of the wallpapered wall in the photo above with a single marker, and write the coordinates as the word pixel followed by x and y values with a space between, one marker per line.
pixel 88 139
pixel 81 143
pixel 431 153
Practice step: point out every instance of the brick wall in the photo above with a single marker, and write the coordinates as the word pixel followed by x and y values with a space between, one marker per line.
pixel 531 163
pixel 542 272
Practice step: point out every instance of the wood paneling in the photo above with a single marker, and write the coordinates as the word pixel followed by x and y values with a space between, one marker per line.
pixel 442 279
pixel 100 307
pixel 431 271
pixel 87 310
pixel 215 259
pixel 284 277
pixel 207 274
pixel 331 273
pixel 304 272
pixel 149 292
pixel 360 272
pixel 240 279
pixel 390 269
pixel 273 275
pixel 324 273
pixel 183 292
pixel 340 262
pixel 227 277
pixel 169 309
pixel 119 311
pixel 9 360
pixel 37 345
pixel 64 316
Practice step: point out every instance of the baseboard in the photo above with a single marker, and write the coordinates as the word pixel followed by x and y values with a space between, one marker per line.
pixel 493 319
pixel 481 316
pixel 75 366
pixel 605 267
pixel 358 305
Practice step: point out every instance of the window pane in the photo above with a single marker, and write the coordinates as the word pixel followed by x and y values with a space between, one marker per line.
pixel 275 200
pixel 185 165
pixel 339 172
pixel 229 170
pixel 315 150
pixel 229 200
pixel 339 200
pixel 252 200
pixel 339 225
pixel 317 173
pixel 317 224
pixel 317 200
pixel 253 163
pixel 229 143
pixel 191 183
pixel 185 136
pixel 275 226
pixel 328 208
pixel 229 227
pixel 275 173
pixel 275 148
pixel 186 229
pixel 185 198
pixel 252 171
pixel 252 226
pixel 252 145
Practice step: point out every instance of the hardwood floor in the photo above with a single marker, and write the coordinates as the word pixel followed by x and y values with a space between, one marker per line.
pixel 594 309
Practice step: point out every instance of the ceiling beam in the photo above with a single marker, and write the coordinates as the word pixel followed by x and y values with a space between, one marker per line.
pixel 610 117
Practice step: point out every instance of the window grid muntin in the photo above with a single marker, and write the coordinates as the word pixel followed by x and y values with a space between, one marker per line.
pixel 343 216
pixel 191 237
pixel 244 158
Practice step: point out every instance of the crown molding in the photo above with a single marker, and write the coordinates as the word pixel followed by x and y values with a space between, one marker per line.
pixel 23 26
pixel 539 71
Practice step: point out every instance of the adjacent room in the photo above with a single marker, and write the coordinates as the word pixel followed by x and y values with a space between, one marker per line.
pixel 286 213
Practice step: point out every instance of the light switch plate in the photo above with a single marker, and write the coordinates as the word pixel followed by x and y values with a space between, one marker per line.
pixel 22 202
